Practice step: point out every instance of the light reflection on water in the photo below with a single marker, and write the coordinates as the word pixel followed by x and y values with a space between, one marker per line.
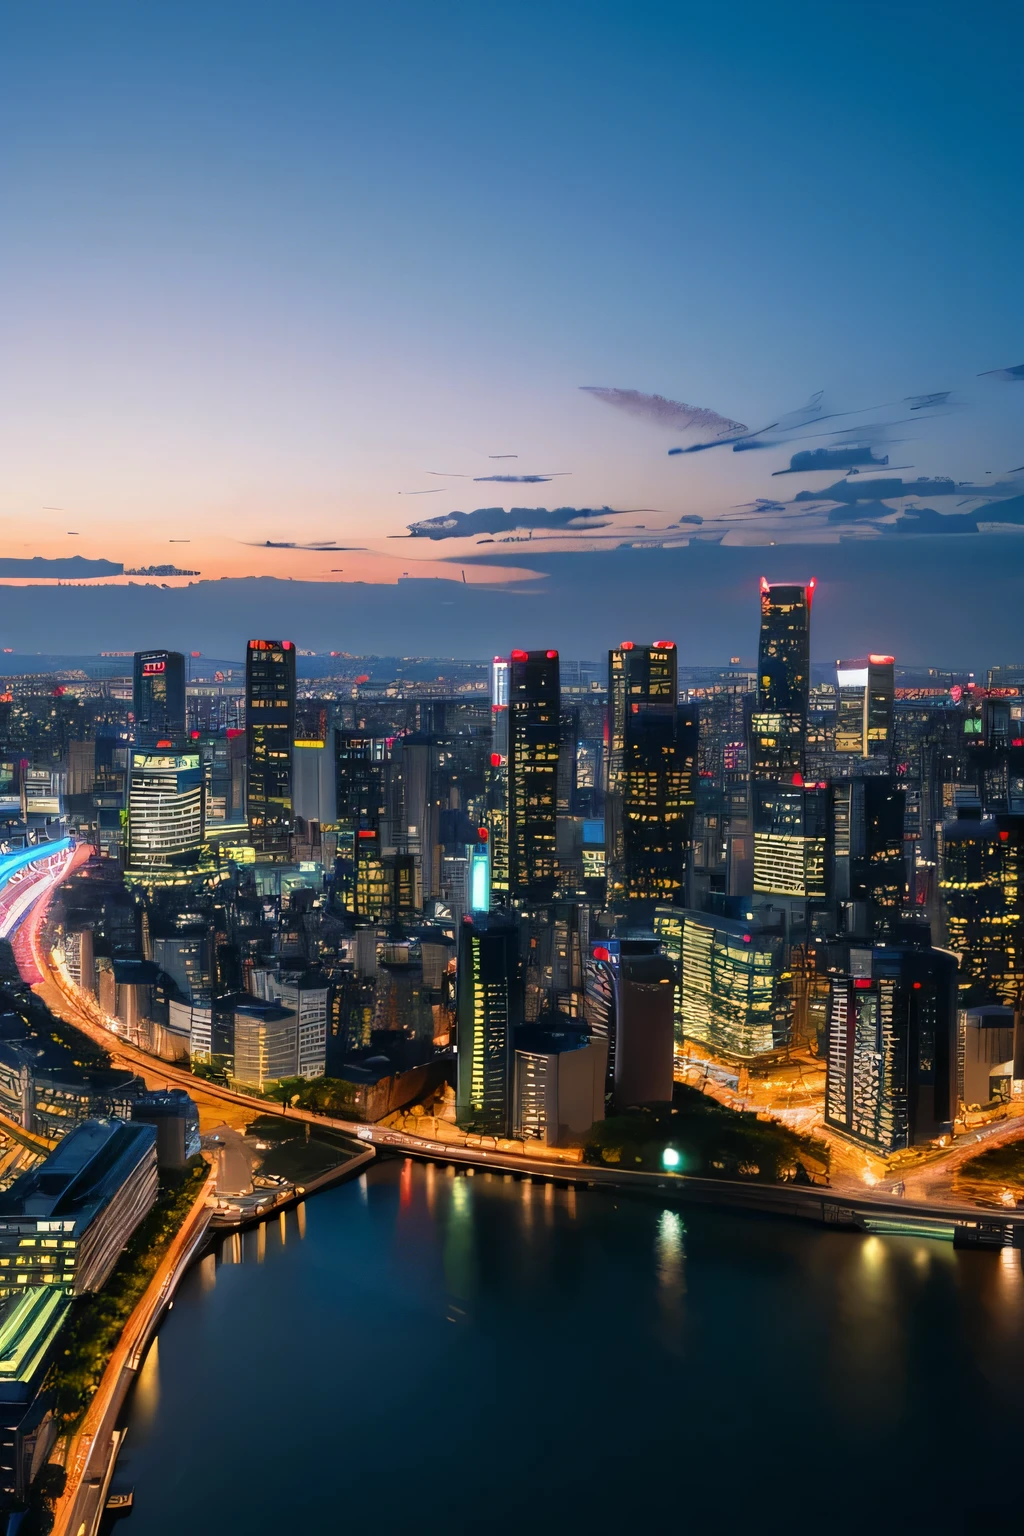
pixel 414 1329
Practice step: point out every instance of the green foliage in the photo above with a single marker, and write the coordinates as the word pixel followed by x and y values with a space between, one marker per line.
pixel 96 1321
pixel 999 1165
pixel 712 1140
pixel 213 1071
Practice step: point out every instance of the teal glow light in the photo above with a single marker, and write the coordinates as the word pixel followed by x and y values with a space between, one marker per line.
pixel 479 880
pixel 670 1158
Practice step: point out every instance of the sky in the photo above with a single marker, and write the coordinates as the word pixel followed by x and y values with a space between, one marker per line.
pixel 313 273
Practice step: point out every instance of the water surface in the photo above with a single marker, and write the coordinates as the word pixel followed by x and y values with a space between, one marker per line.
pixel 413 1351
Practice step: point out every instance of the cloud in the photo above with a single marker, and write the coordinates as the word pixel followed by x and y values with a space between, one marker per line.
pixel 71 568
pixel 521 479
pixel 830 458
pixel 1014 375
pixel 671 414
pixel 464 525
pixel 925 402
pixel 322 546
pixel 927 520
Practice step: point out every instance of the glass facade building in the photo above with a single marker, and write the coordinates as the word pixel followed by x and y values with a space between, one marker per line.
pixel 269 733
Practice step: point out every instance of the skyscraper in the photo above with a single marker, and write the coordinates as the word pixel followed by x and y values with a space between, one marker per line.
pixel 867 692
pixel 165 814
pixel 779 721
pixel 891 1056
pixel 867 852
pixel 980 880
pixel 651 769
pixel 361 790
pixel 533 749
pixel 158 699
pixel 490 1008
pixel 269 732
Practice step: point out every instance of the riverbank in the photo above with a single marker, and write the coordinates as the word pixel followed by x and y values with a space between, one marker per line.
pixel 91 1451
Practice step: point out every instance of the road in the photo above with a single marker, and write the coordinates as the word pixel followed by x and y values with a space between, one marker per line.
pixel 80 1010
pixel 91 1452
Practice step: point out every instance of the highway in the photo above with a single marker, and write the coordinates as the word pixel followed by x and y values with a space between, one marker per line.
pixel 859 1202
pixel 92 1451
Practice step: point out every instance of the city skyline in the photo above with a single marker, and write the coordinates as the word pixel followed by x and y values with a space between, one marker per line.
pixel 390 269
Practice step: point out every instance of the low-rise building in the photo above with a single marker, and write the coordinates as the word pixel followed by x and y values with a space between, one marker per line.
pixel 30 1325
pixel 65 1222
pixel 559 1080
pixel 175 1118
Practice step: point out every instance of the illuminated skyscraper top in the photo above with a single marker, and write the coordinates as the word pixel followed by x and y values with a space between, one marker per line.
pixel 534 701
pixel 779 724
pixel 158 699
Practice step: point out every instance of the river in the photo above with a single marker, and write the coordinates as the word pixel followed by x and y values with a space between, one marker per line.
pixel 416 1352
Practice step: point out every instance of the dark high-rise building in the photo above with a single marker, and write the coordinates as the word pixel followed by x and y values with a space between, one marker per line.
pixel 269 733
pixel 361 765
pixel 779 721
pixel 158 699
pixel 534 737
pixel 651 771
pixel 891 1047
pixel 869 877
pixel 490 1009
pixel 980 880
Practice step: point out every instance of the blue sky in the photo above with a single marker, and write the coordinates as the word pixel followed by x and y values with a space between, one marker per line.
pixel 268 265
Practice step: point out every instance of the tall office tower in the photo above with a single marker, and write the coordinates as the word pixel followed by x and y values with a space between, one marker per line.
pixel 731 993
pixel 981 882
pixel 497 781
pixel 165 815
pixel 490 1009
pixel 890 1035
pixel 314 784
pixel 778 726
pixel 867 693
pixel 533 749
pixel 651 776
pixel 158 699
pixel 791 840
pixel 269 732
pixel 993 743
pixel 869 875
pixel 362 766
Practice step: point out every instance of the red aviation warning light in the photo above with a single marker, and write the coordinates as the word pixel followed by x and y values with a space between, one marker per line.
pixel 881 661
pixel 552 655
pixel 664 645
pixel 810 591
pixel 627 645
pixel 520 656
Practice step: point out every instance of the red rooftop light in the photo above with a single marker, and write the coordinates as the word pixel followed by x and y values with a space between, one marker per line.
pixel 627 645
pixel 520 656
pixel 1004 837
pixel 664 645
pixel 552 655
pixel 881 661
pixel 601 953
pixel 917 986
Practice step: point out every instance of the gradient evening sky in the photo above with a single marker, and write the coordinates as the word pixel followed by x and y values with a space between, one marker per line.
pixel 265 265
